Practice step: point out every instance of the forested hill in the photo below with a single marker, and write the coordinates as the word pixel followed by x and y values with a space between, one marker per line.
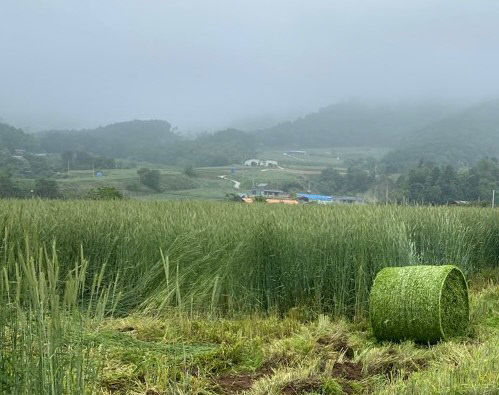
pixel 427 132
pixel 460 139
pixel 149 140
pixel 12 138
pixel 354 124
pixel 153 141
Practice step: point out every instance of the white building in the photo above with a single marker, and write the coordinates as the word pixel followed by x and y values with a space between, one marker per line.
pixel 258 162
pixel 252 162
pixel 269 163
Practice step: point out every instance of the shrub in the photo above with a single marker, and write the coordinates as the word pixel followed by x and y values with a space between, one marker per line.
pixel 150 178
pixel 105 193
pixel 190 172
pixel 46 188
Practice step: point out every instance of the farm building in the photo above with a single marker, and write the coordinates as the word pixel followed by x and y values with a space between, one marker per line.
pixel 273 201
pixel 272 192
pixel 269 163
pixel 348 199
pixel 252 162
pixel 263 190
pixel 308 197
pixel 258 162
pixel 324 199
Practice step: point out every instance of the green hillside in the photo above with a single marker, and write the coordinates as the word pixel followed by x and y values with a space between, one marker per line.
pixel 12 138
pixel 460 139
pixel 415 132
pixel 353 124
pixel 149 140
pixel 153 141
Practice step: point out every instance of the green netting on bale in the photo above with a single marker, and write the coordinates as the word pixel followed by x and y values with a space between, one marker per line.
pixel 422 303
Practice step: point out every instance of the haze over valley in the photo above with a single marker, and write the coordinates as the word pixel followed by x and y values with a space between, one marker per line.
pixel 373 96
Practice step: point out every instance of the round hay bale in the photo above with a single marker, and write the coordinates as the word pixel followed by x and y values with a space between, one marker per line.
pixel 421 303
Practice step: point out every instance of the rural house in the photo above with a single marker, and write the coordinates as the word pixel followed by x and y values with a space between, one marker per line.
pixel 258 162
pixel 263 190
pixel 252 162
pixel 268 163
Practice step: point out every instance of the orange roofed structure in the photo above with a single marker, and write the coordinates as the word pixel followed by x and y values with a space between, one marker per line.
pixel 272 201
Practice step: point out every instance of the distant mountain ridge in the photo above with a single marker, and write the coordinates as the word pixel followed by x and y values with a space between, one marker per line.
pixel 461 139
pixel 353 124
pixel 429 132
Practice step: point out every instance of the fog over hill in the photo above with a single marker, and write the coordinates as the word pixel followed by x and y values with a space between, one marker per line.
pixel 356 124
pixel 461 138
pixel 439 132
pixel 200 65
pixel 121 139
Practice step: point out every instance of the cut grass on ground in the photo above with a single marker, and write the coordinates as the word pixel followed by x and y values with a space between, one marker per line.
pixel 291 355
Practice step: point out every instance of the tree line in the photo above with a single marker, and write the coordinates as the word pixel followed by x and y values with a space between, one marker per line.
pixel 425 183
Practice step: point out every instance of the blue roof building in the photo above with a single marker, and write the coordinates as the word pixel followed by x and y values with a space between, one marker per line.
pixel 312 197
pixel 324 199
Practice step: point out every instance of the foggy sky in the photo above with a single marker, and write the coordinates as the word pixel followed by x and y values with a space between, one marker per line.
pixel 203 64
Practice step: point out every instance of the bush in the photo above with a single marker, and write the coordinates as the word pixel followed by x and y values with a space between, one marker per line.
pixel 105 193
pixel 46 188
pixel 233 197
pixel 190 172
pixel 150 178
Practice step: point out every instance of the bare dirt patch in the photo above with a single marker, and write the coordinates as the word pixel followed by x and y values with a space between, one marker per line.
pixel 302 386
pixel 347 370
pixel 235 383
